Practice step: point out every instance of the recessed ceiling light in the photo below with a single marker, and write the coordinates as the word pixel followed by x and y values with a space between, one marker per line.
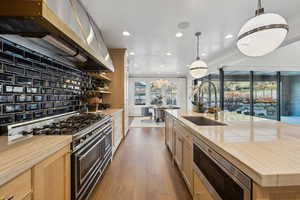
pixel 183 25
pixel 162 65
pixel 126 33
pixel 229 36
pixel 135 65
pixel 132 53
pixel 179 35
pixel 203 54
pixel 168 54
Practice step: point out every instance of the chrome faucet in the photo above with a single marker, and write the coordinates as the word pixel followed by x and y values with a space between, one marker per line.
pixel 199 103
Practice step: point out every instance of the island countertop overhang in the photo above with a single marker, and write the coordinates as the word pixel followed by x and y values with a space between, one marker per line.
pixel 267 151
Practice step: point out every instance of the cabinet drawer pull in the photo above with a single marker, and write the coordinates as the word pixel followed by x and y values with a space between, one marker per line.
pixel 11 197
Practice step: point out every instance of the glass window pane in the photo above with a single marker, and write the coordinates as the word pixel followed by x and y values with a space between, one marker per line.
pixel 155 94
pixel 140 93
pixel 163 92
pixel 290 97
pixel 237 92
pixel 265 95
pixel 171 94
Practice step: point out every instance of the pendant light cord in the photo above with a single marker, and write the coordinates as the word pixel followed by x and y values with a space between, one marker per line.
pixel 260 10
pixel 259 5
pixel 198 45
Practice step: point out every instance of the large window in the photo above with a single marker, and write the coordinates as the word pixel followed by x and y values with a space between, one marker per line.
pixel 140 93
pixel 237 92
pixel 156 94
pixel 257 93
pixel 163 92
pixel 171 94
pixel 265 94
pixel 290 97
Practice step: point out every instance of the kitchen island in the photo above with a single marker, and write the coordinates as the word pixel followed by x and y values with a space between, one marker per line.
pixel 267 151
pixel 32 167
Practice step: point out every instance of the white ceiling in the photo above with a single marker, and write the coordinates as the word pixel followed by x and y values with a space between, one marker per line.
pixel 153 25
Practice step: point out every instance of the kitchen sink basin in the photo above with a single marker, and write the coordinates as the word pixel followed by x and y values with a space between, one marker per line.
pixel 203 121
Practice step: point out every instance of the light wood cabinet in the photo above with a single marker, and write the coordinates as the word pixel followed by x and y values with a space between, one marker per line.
pixel 47 180
pixel 117 130
pixel 184 153
pixel 179 141
pixel 51 177
pixel 187 163
pixel 178 149
pixel 169 136
pixel 200 191
pixel 19 188
pixel 275 193
pixel 119 85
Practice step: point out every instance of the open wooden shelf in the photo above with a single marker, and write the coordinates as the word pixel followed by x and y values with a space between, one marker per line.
pixel 99 76
pixel 105 92
pixel 99 92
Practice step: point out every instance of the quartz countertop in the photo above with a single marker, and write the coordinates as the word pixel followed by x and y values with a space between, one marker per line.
pixel 15 158
pixel 267 151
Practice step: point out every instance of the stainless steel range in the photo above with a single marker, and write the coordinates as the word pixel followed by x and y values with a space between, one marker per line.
pixel 91 145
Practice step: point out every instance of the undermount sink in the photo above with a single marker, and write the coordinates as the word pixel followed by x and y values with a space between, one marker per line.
pixel 203 121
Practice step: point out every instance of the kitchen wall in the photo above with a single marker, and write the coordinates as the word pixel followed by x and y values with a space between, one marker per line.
pixel 33 85
pixel 181 84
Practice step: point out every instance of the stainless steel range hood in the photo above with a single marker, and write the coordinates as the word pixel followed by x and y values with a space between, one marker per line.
pixel 64 24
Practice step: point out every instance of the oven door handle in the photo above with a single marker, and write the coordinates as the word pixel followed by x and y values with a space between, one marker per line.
pixel 86 153
pixel 87 146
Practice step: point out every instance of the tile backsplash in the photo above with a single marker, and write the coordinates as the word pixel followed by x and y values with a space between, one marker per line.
pixel 34 86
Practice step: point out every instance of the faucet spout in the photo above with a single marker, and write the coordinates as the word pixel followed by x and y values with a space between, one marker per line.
pixel 198 91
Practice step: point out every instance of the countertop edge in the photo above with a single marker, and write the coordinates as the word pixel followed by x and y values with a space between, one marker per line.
pixel 10 174
pixel 268 180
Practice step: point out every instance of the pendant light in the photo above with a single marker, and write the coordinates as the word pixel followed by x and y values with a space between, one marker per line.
pixel 262 34
pixel 198 68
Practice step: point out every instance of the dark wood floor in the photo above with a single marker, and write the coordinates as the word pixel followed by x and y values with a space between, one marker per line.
pixel 142 170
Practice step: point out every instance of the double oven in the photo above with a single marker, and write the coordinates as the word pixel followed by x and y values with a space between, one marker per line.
pixel 222 179
pixel 90 161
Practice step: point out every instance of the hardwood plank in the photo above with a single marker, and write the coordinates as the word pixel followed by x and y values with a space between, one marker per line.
pixel 142 169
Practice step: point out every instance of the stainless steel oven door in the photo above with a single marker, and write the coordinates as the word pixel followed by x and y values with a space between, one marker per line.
pixel 108 139
pixel 87 160
pixel 222 179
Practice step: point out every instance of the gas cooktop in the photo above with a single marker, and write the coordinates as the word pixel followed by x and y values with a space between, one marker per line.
pixel 68 126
